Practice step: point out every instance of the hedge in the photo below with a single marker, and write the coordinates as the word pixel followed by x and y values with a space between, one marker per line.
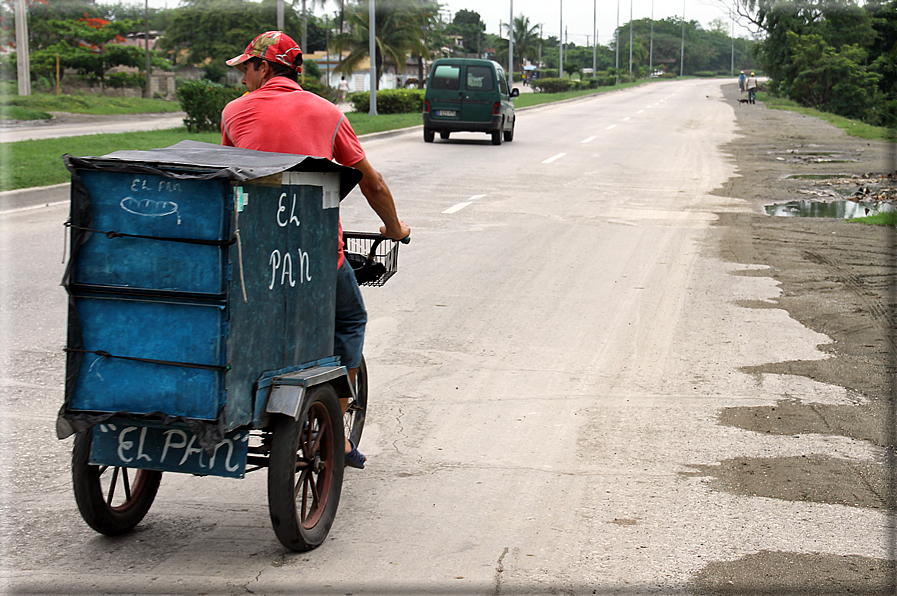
pixel 390 101
pixel 203 101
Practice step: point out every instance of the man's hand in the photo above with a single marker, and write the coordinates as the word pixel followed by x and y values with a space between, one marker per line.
pixel 399 233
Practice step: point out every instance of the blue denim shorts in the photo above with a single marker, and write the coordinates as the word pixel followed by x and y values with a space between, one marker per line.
pixel 350 320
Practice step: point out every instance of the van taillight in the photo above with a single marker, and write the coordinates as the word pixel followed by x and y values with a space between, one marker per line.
pixel 496 109
pixel 426 105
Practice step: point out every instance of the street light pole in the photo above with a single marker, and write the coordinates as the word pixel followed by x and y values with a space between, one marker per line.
pixel 682 51
pixel 372 48
pixel 511 46
pixel 148 91
pixel 23 60
pixel 561 44
pixel 630 39
pixel 595 31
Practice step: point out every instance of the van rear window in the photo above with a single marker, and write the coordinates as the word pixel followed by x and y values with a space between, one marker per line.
pixel 446 77
pixel 479 78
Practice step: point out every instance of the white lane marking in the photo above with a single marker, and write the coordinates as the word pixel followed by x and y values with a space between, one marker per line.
pixel 554 157
pixel 456 208
pixel 626 118
pixel 460 206
pixel 639 112
pixel 588 140
pixel 610 127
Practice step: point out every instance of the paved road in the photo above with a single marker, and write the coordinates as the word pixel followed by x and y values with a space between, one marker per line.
pixel 84 125
pixel 546 371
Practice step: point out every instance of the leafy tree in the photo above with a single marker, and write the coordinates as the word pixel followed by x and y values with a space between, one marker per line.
pixel 208 32
pixel 470 26
pixel 399 24
pixel 829 79
pixel 91 46
pixel 526 39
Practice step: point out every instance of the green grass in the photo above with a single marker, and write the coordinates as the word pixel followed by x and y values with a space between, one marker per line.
pixel 39 163
pixel 854 128
pixel 364 124
pixel 82 103
pixel 888 218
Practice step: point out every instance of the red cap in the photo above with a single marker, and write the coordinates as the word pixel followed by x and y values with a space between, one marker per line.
pixel 275 46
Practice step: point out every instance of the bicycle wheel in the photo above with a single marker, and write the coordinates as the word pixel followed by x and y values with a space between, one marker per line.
pixel 305 471
pixel 353 420
pixel 110 500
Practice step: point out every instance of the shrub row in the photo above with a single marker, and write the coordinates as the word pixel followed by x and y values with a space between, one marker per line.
pixel 390 101
pixel 562 85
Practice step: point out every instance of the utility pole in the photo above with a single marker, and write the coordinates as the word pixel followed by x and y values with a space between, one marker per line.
pixel 595 31
pixel 372 48
pixel 280 16
pixel 561 44
pixel 511 47
pixel 682 51
pixel 147 90
pixel 732 16
pixel 617 44
pixel 23 59
pixel 651 53
pixel 630 39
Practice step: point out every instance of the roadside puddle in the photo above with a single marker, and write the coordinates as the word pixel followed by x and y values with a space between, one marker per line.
pixel 838 196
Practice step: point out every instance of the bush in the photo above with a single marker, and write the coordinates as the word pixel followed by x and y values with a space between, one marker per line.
pixel 203 102
pixel 390 101
pixel 120 80
pixel 552 85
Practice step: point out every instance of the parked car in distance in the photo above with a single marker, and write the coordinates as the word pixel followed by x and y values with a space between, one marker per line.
pixel 468 95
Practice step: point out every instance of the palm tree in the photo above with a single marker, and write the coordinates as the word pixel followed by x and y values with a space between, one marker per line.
pixel 399 25
pixel 526 39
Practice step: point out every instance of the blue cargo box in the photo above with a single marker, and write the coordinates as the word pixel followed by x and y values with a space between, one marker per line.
pixel 194 270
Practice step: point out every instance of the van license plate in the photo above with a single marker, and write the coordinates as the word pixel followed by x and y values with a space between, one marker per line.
pixel 449 113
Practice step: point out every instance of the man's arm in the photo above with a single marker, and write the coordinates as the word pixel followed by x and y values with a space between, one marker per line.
pixel 380 199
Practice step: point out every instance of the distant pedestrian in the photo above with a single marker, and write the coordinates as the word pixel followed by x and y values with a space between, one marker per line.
pixel 741 81
pixel 752 86
pixel 343 89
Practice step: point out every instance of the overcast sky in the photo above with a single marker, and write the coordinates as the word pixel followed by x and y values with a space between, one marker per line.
pixel 577 14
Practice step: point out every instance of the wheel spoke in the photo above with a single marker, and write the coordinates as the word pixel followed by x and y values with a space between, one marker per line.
pixel 112 486
pixel 127 483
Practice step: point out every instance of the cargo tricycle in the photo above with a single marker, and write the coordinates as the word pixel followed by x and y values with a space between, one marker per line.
pixel 201 286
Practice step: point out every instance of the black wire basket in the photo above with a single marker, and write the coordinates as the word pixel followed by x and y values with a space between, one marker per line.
pixel 373 257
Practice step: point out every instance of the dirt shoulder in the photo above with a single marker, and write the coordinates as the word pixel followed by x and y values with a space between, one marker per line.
pixel 837 278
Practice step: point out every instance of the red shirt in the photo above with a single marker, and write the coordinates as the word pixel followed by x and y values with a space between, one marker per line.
pixel 280 117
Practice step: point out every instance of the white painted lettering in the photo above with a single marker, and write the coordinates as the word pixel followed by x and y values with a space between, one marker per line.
pixel 169 434
pixel 274 261
pixel 140 453
pixel 124 446
pixel 190 450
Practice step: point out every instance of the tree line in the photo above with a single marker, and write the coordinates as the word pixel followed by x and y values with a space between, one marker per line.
pixel 833 55
pixel 86 36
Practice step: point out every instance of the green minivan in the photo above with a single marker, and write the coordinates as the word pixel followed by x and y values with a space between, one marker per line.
pixel 470 95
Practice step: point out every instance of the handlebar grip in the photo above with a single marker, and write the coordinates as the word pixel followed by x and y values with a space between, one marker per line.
pixel 406 239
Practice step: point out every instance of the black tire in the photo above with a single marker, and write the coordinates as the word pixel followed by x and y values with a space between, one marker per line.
pixel 496 137
pixel 429 135
pixel 509 134
pixel 353 420
pixel 305 470
pixel 444 135
pixel 111 500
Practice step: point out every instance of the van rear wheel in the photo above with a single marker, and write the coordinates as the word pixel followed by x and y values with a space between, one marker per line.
pixel 509 134
pixel 496 137
pixel 429 135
